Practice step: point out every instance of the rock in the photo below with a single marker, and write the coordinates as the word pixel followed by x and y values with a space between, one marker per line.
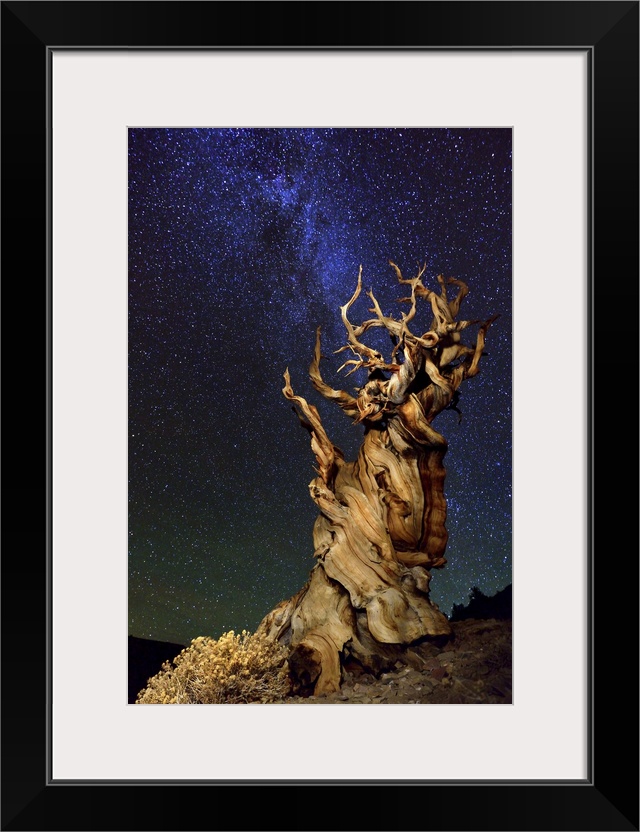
pixel 413 676
pixel 414 660
pixel 447 656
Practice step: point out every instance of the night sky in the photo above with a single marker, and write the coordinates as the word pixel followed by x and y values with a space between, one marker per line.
pixel 241 243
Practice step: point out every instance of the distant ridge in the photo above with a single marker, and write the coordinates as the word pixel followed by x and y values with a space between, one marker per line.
pixel 146 658
pixel 480 606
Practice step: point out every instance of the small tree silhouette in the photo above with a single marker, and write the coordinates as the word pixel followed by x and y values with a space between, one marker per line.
pixel 484 606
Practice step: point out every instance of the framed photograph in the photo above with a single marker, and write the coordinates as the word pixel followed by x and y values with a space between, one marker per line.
pixel 539 101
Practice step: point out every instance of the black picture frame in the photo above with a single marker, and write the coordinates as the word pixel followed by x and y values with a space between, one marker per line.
pixel 608 799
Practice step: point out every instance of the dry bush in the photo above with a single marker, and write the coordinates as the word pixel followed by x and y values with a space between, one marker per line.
pixel 236 668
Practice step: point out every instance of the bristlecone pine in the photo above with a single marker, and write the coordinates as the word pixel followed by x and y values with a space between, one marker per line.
pixel 381 527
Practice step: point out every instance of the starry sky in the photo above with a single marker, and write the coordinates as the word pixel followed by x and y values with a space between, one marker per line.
pixel 241 243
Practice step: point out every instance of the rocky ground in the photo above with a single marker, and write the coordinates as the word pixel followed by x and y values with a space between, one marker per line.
pixel 473 667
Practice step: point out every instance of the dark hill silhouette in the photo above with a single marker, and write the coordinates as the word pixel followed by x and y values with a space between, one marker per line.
pixel 481 606
pixel 146 657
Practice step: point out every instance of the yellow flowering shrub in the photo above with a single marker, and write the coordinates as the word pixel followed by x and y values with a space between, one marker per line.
pixel 235 668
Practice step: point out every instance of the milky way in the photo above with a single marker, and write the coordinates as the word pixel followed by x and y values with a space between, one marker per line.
pixel 241 243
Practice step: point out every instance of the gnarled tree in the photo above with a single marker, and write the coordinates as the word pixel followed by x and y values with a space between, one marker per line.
pixel 381 527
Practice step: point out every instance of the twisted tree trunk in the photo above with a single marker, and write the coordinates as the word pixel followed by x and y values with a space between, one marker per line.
pixel 381 526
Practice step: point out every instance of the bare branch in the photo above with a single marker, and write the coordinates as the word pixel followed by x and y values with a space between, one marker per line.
pixel 473 367
pixel 368 354
pixel 401 279
pixel 328 456
pixel 454 305
pixel 342 398
pixel 444 310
